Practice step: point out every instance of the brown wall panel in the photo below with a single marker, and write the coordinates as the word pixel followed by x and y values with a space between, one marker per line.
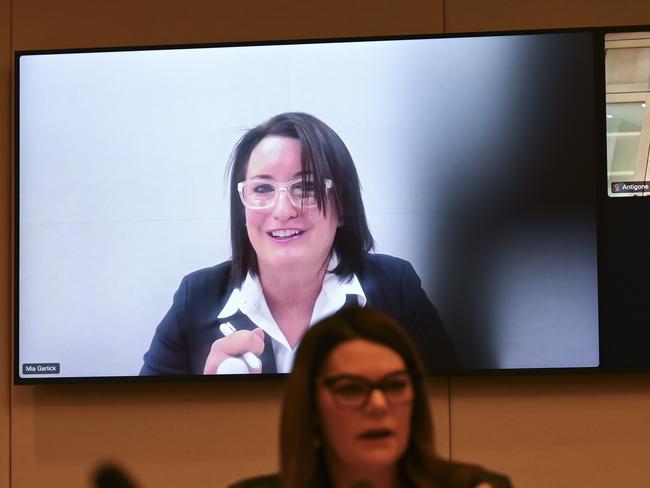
pixel 42 24
pixel 494 15
pixel 5 239
pixel 544 431
pixel 439 394
pixel 559 431
pixel 164 435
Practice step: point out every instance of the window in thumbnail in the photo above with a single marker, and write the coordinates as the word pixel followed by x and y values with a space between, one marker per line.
pixel 627 67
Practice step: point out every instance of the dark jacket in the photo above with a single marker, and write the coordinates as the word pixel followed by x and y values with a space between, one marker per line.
pixel 183 338
pixel 453 475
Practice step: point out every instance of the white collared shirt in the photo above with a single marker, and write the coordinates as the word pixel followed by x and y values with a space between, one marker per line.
pixel 249 299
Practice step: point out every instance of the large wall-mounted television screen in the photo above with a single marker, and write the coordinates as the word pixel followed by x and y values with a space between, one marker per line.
pixel 190 211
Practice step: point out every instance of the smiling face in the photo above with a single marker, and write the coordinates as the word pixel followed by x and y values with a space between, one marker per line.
pixel 284 236
pixel 375 435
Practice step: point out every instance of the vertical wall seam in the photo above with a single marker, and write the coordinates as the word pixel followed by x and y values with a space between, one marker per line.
pixel 444 16
pixel 11 250
pixel 451 454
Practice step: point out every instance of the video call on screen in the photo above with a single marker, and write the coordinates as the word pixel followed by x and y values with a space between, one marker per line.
pixel 479 160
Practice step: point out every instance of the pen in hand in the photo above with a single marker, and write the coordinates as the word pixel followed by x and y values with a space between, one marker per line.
pixel 251 360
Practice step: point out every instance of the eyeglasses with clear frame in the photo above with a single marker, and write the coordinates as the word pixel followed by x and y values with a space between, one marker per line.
pixel 262 194
pixel 351 391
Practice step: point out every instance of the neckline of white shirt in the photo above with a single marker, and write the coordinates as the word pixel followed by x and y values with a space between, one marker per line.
pixel 249 299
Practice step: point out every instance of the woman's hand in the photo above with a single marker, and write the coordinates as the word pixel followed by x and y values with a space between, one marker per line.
pixel 232 346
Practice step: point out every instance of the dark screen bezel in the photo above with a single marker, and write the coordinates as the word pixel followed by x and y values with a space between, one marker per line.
pixel 607 208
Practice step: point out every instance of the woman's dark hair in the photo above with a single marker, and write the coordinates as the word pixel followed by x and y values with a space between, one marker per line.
pixel 301 462
pixel 323 155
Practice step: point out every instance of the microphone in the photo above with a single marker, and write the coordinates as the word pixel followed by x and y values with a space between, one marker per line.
pixel 109 476
pixel 362 484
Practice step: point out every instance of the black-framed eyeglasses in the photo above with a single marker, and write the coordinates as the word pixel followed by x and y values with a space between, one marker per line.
pixel 350 391
pixel 261 194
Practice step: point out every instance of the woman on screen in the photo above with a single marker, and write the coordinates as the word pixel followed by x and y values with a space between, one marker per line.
pixel 300 252
pixel 356 414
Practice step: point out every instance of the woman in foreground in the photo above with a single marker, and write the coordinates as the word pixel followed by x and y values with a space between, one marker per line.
pixel 356 413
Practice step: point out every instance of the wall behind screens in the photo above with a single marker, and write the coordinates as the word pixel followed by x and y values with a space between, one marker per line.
pixel 478 159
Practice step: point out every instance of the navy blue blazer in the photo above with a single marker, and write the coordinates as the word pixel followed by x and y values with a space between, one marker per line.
pixel 183 338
